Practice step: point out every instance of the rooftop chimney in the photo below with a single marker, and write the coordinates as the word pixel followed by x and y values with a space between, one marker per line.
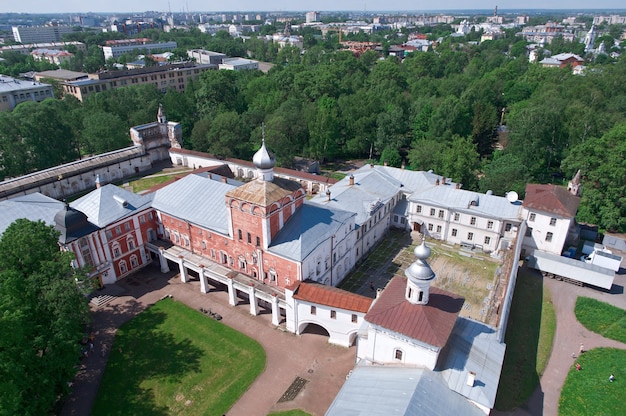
pixel 351 180
pixel 437 182
pixel 458 186
pixel 328 194
pixel 471 378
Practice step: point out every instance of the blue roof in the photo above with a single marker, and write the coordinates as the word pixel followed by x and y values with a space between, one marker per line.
pixel 447 196
pixel 105 205
pixel 33 207
pixel 197 199
pixel 306 229
pixel 473 346
pixel 406 391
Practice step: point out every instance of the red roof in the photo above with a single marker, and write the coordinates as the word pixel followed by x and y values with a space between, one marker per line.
pixel 333 297
pixel 431 323
pixel 552 199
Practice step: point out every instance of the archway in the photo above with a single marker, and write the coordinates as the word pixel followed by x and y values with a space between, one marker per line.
pixel 313 328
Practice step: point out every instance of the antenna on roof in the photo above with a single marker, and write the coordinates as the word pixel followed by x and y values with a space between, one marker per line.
pixel 263 131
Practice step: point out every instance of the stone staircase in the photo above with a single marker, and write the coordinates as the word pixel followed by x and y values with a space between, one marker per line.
pixel 103 296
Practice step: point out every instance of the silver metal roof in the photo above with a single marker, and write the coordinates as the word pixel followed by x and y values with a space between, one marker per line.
pixel 305 230
pixel 33 207
pixel 473 346
pixel 461 200
pixel 106 205
pixel 197 199
pixel 407 391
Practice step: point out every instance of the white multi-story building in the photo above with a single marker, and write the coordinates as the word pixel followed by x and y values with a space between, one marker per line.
pixel 312 17
pixel 116 48
pixel 14 92
pixel 37 34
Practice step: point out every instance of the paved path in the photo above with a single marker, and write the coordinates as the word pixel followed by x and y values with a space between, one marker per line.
pixel 569 335
pixel 308 356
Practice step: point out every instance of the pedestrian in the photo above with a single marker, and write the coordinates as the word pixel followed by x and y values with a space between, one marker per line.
pixel 103 349
pixel 91 347
pixel 582 349
pixel 371 286
pixel 578 366
pixel 611 378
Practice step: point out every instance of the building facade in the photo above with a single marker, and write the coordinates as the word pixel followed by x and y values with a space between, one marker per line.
pixel 14 92
pixel 39 34
pixel 116 48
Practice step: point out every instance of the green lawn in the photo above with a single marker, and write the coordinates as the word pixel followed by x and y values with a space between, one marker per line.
pixel 296 412
pixel 152 180
pixel 171 359
pixel 529 338
pixel 589 391
pixel 602 318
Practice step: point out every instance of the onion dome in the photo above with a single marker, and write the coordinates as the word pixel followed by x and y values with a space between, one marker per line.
pixel 420 270
pixel 263 159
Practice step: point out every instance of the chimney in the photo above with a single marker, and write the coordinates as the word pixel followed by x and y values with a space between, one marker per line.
pixel 443 180
pixel 328 194
pixel 458 186
pixel 224 179
pixel 437 182
pixel 371 165
pixel 471 378
pixel 98 182
pixel 385 163
pixel 351 180
pixel 402 166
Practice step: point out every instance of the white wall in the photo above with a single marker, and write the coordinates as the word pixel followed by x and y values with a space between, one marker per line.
pixel 539 225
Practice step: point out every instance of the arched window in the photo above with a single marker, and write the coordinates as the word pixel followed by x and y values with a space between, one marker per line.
pixel 130 242
pixel 115 248
pixel 123 267
pixel 398 354
pixel 272 275
pixel 242 262
pixel 133 261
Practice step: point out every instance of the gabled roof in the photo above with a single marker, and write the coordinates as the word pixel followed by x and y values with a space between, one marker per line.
pixel 265 193
pixel 109 204
pixel 197 199
pixel 306 229
pixel 461 200
pixel 371 186
pixel 474 347
pixel 402 391
pixel 431 323
pixel 551 199
pixel 33 207
pixel 331 296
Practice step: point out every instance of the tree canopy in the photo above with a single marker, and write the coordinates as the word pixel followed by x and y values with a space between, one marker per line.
pixel 43 319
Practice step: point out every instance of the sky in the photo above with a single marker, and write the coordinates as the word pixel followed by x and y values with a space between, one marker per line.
pixel 82 6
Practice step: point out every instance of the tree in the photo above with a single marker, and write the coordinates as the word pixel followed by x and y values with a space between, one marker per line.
pixel 504 173
pixel 602 162
pixel 43 319
pixel 103 133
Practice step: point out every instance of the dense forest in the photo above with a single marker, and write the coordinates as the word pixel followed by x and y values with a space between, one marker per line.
pixel 480 114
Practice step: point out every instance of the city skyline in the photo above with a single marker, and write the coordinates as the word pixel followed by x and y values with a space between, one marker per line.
pixel 120 6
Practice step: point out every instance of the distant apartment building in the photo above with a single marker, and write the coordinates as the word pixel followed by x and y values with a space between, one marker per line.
pixel 312 17
pixel 238 64
pixel 36 34
pixel 163 77
pixel 203 56
pixel 54 56
pixel 27 48
pixel 116 48
pixel 131 27
pixel 546 33
pixel 14 92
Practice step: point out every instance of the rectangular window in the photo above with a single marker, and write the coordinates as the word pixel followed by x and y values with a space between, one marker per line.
pixel 258 241
pixel 439 228
pixel 127 226
pixel 553 221
pixel 440 213
pixel 249 238
pixel 487 240
pixel 333 314
pixel 507 227
pixel 313 310
pixel 354 318
pixel 490 225
pixel 454 232
pixel 457 216
pixel 549 236
pixel 529 232
pixel 418 209
pixel 203 245
pixel 239 234
pixel 109 234
pixel 430 227
pixel 142 219
pixel 473 221
pixel 470 236
pixel 118 230
pixel 432 212
pixel 532 217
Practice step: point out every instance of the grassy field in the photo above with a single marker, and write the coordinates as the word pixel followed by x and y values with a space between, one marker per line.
pixel 529 338
pixel 589 391
pixel 296 412
pixel 151 180
pixel 171 359
pixel 602 318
